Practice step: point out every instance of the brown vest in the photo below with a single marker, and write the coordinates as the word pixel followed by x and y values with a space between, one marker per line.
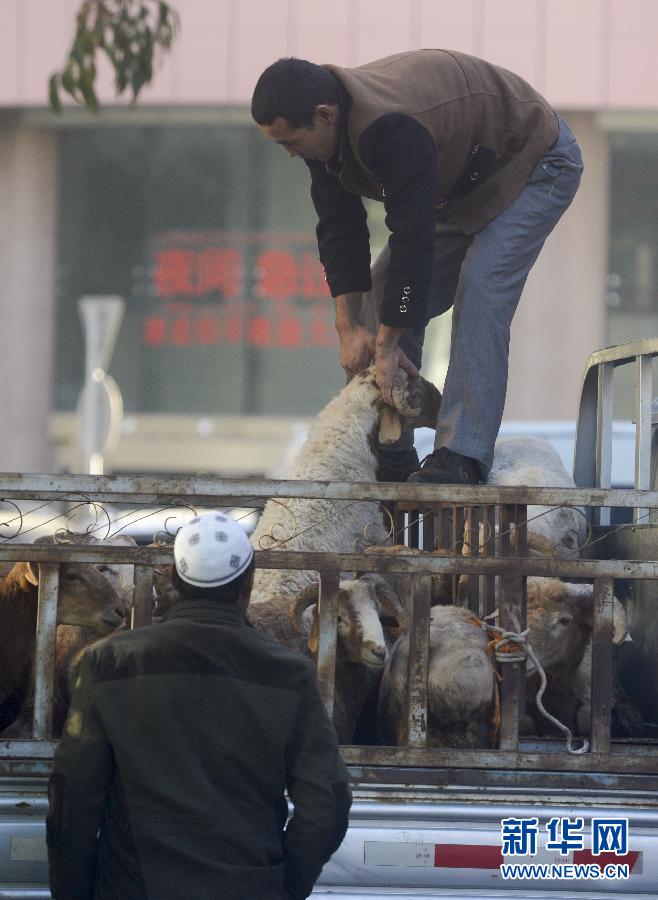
pixel 489 127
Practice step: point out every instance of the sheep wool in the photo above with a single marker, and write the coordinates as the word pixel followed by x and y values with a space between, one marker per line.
pixel 338 448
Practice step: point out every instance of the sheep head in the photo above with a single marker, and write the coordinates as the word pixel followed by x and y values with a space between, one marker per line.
pixel 559 532
pixel 365 607
pixel 86 597
pixel 560 619
pixel 121 576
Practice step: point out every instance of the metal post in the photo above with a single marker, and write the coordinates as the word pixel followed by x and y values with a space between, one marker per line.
pixel 327 623
pixel 602 664
pixel 604 413
pixel 44 656
pixel 472 528
pixel 142 613
pixel 419 649
pixel 512 618
pixel 643 398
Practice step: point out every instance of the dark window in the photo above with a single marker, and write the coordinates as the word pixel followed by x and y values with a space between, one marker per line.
pixel 208 232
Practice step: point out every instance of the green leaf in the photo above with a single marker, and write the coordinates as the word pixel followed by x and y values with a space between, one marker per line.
pixel 68 80
pixel 53 93
pixel 124 31
pixel 87 77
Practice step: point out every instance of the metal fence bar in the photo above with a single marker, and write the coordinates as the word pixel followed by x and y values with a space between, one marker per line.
pixel 429 528
pixel 643 400
pixel 487 549
pixel 419 644
pixel 544 760
pixel 171 491
pixel 456 545
pixel 44 656
pixel 327 623
pixel 413 533
pixel 357 562
pixel 604 412
pixel 653 455
pixel 602 664
pixel 472 520
pixel 512 618
pixel 142 613
pixel 399 520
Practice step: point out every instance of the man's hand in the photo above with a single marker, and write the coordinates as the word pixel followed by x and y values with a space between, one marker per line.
pixel 388 357
pixel 357 348
pixel 357 344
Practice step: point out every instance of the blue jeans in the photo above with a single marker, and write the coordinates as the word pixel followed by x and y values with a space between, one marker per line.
pixel 482 276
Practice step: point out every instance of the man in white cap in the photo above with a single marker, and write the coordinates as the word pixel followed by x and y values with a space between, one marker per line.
pixel 169 780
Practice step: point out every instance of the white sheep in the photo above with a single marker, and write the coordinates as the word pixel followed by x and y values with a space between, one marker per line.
pixel 534 462
pixel 369 620
pixel 460 684
pixel 339 447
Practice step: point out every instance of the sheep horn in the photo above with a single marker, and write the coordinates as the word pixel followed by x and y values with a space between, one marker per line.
pixel 541 544
pixel 301 602
pixel 585 592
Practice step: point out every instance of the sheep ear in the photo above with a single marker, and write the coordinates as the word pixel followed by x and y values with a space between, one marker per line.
pixel 427 397
pixel 314 636
pixel 390 426
pixel 32 573
pixel 391 608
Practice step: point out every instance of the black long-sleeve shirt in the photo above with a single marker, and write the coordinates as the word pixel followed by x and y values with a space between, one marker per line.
pixel 399 153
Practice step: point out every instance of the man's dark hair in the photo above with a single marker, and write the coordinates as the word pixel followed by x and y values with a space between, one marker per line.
pixel 225 593
pixel 292 88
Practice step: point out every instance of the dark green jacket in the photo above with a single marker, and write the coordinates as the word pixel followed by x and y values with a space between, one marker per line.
pixel 169 780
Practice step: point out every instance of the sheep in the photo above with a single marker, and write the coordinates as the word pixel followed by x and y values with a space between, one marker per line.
pixel 339 447
pixel 369 618
pixel 461 676
pixel 625 715
pixel 561 532
pixel 460 684
pixel 533 462
pixel 86 598
pixel 73 639
pixel 120 575
pixel 560 622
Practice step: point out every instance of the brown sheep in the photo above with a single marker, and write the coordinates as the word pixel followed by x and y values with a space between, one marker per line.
pixel 86 598
pixel 560 622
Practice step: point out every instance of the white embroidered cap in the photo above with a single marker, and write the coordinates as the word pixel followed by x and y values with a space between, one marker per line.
pixel 211 550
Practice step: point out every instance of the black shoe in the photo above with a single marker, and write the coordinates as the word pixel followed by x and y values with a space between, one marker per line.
pixel 396 465
pixel 444 466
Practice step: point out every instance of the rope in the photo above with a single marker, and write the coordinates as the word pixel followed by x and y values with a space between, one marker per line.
pixel 510 647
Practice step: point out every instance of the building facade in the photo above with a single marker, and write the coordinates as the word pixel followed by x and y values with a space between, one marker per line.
pixel 179 206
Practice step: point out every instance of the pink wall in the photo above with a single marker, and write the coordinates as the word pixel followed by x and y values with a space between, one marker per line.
pixel 587 54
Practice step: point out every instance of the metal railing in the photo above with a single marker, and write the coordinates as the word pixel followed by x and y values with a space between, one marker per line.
pixel 593 449
pixel 420 510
